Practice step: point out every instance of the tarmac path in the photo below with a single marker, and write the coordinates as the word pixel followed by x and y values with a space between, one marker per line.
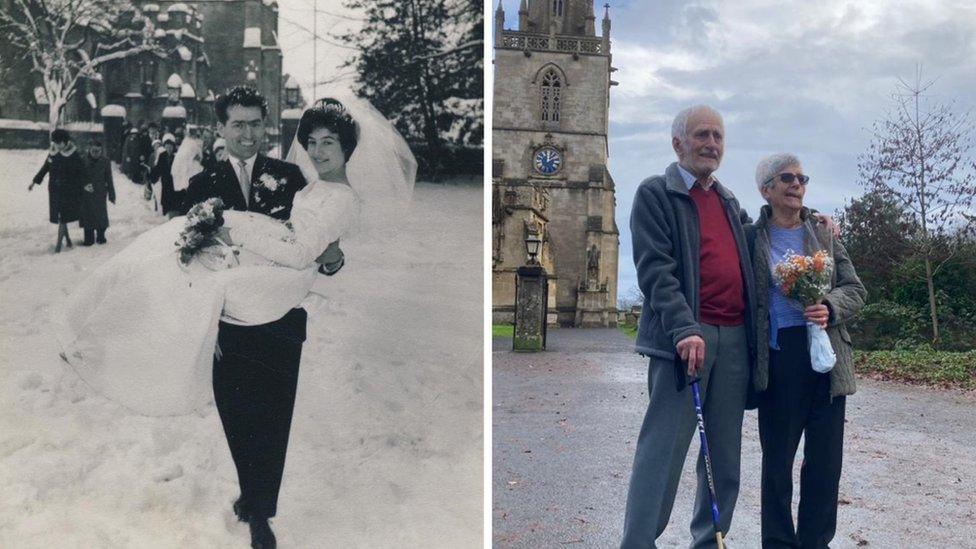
pixel 565 423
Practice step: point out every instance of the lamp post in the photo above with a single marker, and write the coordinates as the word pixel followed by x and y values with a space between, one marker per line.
pixel 532 244
pixel 291 93
pixel 174 85
pixel 531 299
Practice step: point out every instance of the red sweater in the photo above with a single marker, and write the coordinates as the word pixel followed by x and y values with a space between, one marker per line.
pixel 721 290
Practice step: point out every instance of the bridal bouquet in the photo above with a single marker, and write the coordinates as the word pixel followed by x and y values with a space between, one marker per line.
pixel 806 280
pixel 202 222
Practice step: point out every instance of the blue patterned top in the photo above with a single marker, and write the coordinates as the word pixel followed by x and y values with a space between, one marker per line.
pixel 783 312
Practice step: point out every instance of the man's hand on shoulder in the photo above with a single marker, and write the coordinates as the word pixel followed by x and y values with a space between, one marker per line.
pixel 692 351
pixel 828 223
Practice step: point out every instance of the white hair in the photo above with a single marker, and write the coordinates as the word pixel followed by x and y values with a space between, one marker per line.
pixel 679 128
pixel 771 165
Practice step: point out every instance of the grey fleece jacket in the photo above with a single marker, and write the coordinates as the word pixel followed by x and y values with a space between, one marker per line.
pixel 845 299
pixel 666 239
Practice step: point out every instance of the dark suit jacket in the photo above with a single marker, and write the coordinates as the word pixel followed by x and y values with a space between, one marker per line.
pixel 222 182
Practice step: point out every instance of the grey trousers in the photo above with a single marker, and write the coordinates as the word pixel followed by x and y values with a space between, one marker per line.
pixel 666 433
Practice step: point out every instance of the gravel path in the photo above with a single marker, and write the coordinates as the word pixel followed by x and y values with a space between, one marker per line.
pixel 565 423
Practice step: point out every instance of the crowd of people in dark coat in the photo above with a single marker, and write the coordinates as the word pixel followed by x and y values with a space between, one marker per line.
pixel 78 186
pixel 80 183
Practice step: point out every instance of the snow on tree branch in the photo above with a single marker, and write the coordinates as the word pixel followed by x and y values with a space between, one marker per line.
pixel 68 40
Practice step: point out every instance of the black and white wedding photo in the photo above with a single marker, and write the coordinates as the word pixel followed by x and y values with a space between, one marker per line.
pixel 242 273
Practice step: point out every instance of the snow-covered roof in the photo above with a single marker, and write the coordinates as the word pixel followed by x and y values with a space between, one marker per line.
pixel 291 83
pixel 159 33
pixel 133 94
pixel 210 96
pixel 113 110
pixel 180 7
pixel 185 53
pixel 252 37
pixel 162 17
pixel 203 58
pixel 174 111
pixel 187 91
pixel 92 101
pixel 270 2
pixel 150 7
pixel 174 81
pixel 291 114
pixel 40 96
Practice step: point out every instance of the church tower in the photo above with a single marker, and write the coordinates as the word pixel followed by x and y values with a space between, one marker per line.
pixel 549 160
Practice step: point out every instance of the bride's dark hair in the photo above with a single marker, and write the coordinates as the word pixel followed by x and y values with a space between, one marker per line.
pixel 331 115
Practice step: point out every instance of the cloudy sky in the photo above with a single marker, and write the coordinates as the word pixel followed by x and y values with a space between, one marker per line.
pixel 788 76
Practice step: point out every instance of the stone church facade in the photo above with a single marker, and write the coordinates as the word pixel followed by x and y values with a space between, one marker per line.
pixel 549 160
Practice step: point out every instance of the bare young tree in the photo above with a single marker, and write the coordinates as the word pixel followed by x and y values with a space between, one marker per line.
pixel 69 40
pixel 920 159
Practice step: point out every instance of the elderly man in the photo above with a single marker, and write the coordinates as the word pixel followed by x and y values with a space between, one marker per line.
pixel 694 270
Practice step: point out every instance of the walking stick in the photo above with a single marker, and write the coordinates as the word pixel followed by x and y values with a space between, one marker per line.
pixel 696 394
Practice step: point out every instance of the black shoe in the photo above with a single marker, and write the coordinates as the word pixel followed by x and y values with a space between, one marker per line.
pixel 261 535
pixel 102 241
pixel 86 243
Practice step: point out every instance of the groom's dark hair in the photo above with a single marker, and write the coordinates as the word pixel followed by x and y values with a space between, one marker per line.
pixel 245 96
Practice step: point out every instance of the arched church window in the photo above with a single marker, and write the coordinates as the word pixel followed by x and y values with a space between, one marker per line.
pixel 551 91
pixel 557 8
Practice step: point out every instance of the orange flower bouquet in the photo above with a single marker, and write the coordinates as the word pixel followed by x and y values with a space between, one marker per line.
pixel 806 280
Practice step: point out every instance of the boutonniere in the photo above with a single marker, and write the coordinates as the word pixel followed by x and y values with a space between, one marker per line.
pixel 269 182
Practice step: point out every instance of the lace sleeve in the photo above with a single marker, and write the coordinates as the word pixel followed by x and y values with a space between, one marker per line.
pixel 318 216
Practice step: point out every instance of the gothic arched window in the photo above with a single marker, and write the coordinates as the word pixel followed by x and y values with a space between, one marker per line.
pixel 551 91
pixel 557 8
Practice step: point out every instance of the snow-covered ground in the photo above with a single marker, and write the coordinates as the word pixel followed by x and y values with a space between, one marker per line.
pixel 386 443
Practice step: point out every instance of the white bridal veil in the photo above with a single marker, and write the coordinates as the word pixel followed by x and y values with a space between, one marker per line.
pixel 186 163
pixel 381 170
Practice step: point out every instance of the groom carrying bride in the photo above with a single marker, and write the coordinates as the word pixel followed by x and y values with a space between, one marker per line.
pixel 255 376
pixel 229 314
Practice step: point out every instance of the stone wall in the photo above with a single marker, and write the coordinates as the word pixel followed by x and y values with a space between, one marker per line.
pixel 581 205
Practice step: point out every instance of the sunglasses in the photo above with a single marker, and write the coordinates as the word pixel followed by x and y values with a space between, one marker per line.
pixel 788 178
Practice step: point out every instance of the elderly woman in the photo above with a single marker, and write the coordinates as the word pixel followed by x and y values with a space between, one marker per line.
pixel 794 400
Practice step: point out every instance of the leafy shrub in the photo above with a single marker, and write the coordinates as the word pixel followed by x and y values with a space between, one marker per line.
pixel 922 365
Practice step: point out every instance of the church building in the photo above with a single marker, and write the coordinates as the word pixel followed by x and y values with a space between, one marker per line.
pixel 549 161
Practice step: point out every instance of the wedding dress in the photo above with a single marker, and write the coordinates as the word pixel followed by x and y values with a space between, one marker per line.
pixel 142 328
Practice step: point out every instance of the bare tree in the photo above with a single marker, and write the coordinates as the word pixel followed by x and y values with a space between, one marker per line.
pixel 69 40
pixel 920 159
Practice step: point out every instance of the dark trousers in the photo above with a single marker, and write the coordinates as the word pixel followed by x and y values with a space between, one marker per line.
pixel 255 380
pixel 797 402
pixel 90 236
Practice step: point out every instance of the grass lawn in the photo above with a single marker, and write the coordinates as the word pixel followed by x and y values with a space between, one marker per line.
pixel 502 330
pixel 630 331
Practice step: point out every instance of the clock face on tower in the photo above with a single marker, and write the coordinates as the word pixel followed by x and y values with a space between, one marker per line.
pixel 547 160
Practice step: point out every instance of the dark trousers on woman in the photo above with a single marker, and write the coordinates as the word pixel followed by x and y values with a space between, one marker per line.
pixel 797 402
pixel 94 235
pixel 254 382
